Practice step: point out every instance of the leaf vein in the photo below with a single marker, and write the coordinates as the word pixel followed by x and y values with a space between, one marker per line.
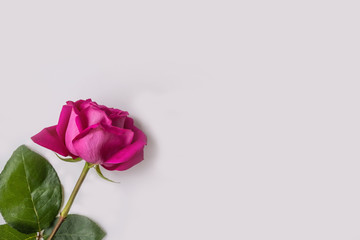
pixel 29 188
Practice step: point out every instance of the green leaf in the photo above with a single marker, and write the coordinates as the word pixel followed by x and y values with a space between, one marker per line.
pixel 69 159
pixel 98 170
pixel 8 233
pixel 30 191
pixel 77 227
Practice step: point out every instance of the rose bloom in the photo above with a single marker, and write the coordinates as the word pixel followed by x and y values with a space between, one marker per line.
pixel 95 133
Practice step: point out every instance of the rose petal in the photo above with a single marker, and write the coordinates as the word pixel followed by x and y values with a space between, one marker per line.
pixel 131 154
pixel 63 121
pixel 135 159
pixel 49 138
pixel 82 104
pixel 72 131
pixel 118 121
pixel 99 142
pixel 93 115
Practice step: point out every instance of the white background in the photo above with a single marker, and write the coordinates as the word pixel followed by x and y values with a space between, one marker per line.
pixel 251 109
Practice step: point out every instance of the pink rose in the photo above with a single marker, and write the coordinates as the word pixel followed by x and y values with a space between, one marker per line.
pixel 95 133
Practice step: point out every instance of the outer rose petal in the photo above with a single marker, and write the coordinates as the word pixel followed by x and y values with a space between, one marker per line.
pixel 49 138
pixel 135 159
pixel 131 154
pixel 63 121
pixel 72 131
pixel 98 142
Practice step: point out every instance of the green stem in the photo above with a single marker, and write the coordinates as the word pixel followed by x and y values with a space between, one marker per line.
pixel 81 179
pixel 69 203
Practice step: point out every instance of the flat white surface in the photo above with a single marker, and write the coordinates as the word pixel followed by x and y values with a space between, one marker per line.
pixel 251 109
